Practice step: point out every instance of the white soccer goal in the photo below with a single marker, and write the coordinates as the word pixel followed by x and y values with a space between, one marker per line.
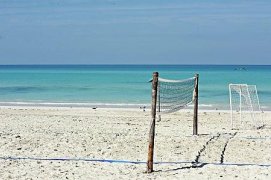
pixel 245 107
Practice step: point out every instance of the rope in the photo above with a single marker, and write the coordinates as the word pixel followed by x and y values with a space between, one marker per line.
pixel 130 162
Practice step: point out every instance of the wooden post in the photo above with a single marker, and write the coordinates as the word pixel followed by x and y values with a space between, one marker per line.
pixel 196 93
pixel 152 126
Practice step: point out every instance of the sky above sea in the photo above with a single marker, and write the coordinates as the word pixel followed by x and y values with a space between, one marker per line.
pixel 135 32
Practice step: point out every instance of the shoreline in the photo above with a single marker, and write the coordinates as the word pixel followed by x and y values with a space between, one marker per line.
pixel 202 107
pixel 136 109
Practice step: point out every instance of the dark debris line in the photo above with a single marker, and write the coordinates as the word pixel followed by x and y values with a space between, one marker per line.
pixel 204 147
pixel 225 147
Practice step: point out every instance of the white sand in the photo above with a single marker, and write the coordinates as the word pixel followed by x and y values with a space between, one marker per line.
pixel 122 134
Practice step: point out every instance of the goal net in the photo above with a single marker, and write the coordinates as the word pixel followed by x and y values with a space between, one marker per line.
pixel 245 107
pixel 174 95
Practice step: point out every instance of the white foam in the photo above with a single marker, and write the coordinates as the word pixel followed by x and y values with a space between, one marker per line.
pixel 68 104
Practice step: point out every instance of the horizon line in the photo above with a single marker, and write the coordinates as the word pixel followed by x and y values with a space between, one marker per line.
pixel 134 64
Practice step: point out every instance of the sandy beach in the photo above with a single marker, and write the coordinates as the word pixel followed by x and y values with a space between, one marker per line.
pixel 64 143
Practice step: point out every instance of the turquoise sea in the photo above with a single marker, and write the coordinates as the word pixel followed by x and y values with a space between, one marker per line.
pixel 122 85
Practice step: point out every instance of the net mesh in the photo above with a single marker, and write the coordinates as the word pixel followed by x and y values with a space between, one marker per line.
pixel 245 107
pixel 174 95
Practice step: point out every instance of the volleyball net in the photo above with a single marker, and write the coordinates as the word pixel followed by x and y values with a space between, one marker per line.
pixel 170 96
pixel 174 95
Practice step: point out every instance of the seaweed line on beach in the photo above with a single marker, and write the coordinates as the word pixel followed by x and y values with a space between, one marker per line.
pixel 225 147
pixel 196 163
pixel 204 147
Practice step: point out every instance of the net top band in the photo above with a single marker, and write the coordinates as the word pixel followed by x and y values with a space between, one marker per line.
pixel 175 81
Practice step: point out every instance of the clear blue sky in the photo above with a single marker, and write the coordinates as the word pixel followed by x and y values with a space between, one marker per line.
pixel 135 32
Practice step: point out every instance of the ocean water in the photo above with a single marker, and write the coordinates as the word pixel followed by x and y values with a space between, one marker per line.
pixel 122 85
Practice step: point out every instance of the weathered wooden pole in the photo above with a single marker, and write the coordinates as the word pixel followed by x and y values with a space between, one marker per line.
pixel 152 126
pixel 196 102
